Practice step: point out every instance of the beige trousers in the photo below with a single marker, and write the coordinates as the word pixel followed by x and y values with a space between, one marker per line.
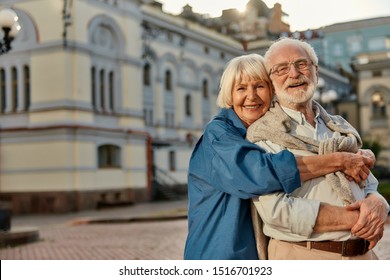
pixel 281 250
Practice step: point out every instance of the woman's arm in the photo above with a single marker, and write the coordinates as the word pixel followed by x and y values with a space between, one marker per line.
pixel 354 165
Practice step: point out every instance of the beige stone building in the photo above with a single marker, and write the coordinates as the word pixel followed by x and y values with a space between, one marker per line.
pixel 373 87
pixel 96 95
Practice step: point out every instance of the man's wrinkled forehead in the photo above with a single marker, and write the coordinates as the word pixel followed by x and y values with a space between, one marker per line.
pixel 286 53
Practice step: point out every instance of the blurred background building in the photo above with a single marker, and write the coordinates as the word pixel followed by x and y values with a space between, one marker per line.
pixel 102 101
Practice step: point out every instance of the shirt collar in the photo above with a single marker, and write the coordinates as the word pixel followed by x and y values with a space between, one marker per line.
pixel 232 116
pixel 298 116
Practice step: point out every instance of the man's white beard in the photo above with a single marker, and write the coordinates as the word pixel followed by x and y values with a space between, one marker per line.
pixel 298 97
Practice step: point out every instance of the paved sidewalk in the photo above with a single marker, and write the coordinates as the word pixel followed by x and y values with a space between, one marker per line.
pixel 148 231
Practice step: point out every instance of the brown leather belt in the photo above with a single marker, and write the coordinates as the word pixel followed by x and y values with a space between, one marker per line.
pixel 348 248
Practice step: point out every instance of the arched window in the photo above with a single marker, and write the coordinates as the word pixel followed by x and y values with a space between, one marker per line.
pixel 188 105
pixel 378 106
pixel 105 37
pixel 109 156
pixel 168 80
pixel 147 74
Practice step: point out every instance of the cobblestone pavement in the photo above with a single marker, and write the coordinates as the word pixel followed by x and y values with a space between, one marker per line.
pixel 69 237
pixel 133 241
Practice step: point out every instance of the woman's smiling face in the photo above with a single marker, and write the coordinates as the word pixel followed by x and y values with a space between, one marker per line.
pixel 251 99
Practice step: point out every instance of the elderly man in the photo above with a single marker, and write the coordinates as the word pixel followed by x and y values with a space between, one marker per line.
pixel 304 224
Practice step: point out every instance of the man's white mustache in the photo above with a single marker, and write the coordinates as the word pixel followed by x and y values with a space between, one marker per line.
pixel 300 80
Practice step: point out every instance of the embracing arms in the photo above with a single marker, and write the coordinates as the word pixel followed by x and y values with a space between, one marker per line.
pixel 356 166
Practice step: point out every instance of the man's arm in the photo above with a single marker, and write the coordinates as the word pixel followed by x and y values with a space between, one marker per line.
pixel 335 218
pixel 302 217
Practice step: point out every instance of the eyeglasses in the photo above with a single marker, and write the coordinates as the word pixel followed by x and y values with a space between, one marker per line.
pixel 284 68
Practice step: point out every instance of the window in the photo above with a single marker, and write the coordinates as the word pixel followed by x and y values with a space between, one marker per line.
pixel 377 43
pixel 169 119
pixel 105 37
pixel 111 90
pixel 147 74
pixel 26 87
pixel 168 80
pixel 354 44
pixel 2 90
pixel 377 73
pixel 14 89
pixel 109 156
pixel 205 89
pixel 102 89
pixel 148 116
pixel 93 87
pixel 378 106
pixel 172 161
pixel 16 96
pixel 188 105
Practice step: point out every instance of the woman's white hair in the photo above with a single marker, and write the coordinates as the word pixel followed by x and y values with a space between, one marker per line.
pixel 250 66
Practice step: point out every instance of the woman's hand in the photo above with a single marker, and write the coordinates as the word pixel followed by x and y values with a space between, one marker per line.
pixel 356 166
pixel 367 153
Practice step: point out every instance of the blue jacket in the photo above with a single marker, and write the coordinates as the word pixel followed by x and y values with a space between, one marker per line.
pixel 225 171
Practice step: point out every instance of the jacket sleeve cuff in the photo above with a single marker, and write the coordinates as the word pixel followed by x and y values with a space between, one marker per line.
pixel 286 168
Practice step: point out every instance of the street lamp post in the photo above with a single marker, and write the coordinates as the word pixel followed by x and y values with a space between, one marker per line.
pixel 9 27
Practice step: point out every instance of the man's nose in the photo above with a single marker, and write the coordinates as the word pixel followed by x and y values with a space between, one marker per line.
pixel 294 72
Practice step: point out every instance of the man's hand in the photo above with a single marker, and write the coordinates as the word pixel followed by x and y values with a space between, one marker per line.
pixel 367 153
pixel 372 218
pixel 356 166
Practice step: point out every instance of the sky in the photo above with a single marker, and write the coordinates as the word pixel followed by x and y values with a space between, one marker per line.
pixel 303 14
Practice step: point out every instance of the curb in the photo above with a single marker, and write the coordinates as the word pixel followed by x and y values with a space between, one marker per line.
pixel 137 219
pixel 18 236
pixel 153 217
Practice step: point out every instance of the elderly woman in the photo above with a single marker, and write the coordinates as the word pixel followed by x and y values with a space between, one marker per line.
pixel 226 170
